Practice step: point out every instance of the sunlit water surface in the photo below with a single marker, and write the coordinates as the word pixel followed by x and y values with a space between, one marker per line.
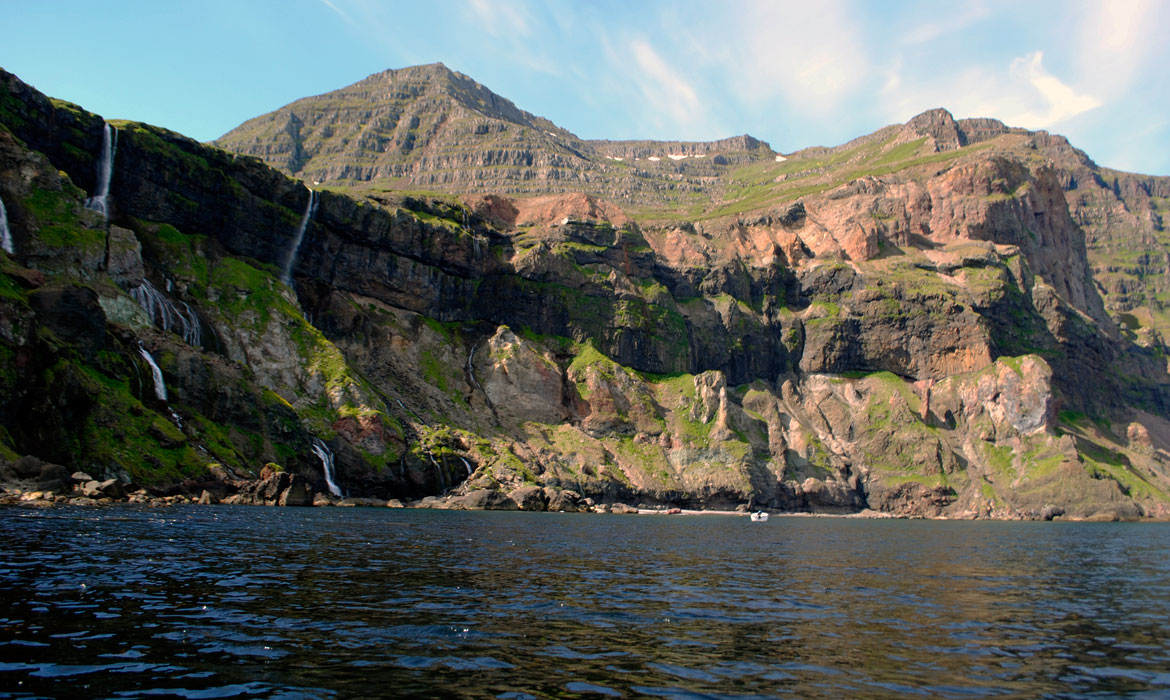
pixel 206 602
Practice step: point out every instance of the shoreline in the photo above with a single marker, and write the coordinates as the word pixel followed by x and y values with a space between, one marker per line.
pixel 35 499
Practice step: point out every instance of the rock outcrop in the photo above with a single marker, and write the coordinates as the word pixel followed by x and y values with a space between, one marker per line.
pixel 909 323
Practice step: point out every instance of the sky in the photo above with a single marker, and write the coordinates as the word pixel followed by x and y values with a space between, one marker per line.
pixel 794 74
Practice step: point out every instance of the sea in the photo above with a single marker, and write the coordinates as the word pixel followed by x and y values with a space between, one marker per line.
pixel 254 602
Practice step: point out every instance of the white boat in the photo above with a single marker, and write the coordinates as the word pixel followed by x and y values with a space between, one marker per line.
pixel 759 516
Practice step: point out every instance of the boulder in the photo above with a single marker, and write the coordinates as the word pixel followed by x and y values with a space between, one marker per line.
pixel 80 477
pixel 622 508
pixel 562 500
pixel 124 257
pixel 270 489
pixel 27 278
pixel 530 498
pixel 485 499
pixel 363 502
pixel 54 472
pixel 112 488
pixel 1103 516
pixel 299 493
pixel 28 467
pixel 53 486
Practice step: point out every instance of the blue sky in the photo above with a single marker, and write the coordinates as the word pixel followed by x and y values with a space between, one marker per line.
pixel 795 74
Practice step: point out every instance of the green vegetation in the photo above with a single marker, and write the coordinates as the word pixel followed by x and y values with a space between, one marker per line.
pixel 59 223
pixel 814 171
pixel 122 434
pixel 184 255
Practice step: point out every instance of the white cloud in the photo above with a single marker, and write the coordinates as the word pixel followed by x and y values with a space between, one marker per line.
pixel 1116 40
pixel 1023 93
pixel 665 89
pixel 811 54
pixel 501 18
pixel 1058 101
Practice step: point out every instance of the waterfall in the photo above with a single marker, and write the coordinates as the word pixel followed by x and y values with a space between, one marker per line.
pixel 464 460
pixel 471 369
pixel 326 456
pixel 439 470
pixel 5 233
pixel 166 316
pixel 291 257
pixel 99 201
pixel 160 388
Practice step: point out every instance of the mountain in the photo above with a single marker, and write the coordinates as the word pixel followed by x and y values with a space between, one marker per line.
pixel 429 128
pixel 911 323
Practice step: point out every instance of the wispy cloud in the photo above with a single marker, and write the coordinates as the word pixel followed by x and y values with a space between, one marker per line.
pixel 502 18
pixel 952 24
pixel 808 54
pixel 340 13
pixel 664 87
pixel 1116 40
pixel 1058 101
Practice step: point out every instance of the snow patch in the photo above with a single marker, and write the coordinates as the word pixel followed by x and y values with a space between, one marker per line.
pixel 780 158
pixel 676 157
pixel 654 158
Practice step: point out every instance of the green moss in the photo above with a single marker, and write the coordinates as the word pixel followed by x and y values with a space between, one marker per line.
pixel 999 459
pixel 589 356
pixel 1015 363
pixel 121 434
pixel 649 459
pixel 927 480
pixel 988 492
pixel 441 330
pixel 432 370
pixel 1103 462
pixel 183 254
pixel 248 293
pixel 1041 462
pixel 12 291
pixel 181 152
pixel 58 220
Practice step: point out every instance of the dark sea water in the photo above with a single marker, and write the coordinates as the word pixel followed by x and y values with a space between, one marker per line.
pixel 210 602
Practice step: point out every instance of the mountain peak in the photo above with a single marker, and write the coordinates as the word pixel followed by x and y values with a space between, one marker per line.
pixel 940 125
pixel 429 127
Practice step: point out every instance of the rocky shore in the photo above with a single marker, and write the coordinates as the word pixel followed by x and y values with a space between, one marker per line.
pixel 31 482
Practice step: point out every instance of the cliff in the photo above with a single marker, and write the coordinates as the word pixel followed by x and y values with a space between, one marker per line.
pixel 909 323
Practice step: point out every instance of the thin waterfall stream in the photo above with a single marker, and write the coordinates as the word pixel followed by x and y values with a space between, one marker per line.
pixel 160 387
pixel 5 233
pixel 290 259
pixel 99 202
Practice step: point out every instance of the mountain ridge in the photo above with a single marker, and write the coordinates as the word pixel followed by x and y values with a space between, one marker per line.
pixel 890 324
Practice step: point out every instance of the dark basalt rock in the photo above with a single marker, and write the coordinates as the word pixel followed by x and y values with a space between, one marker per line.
pixel 74 315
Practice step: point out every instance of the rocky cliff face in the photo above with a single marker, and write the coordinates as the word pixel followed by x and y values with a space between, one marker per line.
pixel 907 323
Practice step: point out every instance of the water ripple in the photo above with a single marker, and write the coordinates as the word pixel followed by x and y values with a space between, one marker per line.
pixel 316 603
